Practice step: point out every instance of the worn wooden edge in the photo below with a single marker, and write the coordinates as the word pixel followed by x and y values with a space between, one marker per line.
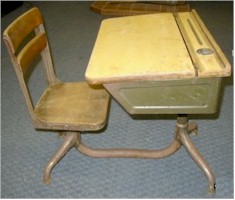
pixel 152 77
pixel 45 125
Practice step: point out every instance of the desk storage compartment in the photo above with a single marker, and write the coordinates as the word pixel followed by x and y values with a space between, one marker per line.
pixel 189 96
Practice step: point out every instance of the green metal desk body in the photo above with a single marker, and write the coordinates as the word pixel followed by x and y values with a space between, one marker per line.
pixel 188 96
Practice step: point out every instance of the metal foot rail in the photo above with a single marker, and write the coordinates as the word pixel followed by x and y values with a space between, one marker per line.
pixel 129 153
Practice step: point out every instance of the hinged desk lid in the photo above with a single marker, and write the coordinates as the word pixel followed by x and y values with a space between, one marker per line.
pixel 144 47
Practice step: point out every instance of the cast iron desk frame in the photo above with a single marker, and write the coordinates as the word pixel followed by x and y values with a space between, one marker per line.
pixel 194 91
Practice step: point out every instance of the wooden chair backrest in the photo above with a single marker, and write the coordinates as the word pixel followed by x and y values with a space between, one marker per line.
pixel 14 37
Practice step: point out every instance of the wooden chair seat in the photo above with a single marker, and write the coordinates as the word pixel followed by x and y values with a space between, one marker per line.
pixel 73 104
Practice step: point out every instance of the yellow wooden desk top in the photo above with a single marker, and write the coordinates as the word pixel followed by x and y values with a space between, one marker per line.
pixel 151 47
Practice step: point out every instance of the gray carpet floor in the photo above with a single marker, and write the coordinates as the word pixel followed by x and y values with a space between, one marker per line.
pixel 72 30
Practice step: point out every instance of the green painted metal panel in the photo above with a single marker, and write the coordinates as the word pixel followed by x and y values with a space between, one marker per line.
pixel 190 96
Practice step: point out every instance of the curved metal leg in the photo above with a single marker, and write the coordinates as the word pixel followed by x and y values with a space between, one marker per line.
pixel 70 141
pixel 194 153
